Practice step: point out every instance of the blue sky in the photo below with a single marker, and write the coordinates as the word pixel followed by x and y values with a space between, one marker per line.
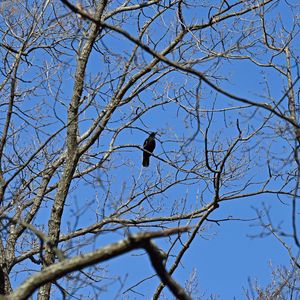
pixel 224 255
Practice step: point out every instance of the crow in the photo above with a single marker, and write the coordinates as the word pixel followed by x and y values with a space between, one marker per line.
pixel 149 145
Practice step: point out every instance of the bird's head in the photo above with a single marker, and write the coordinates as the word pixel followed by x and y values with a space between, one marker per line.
pixel 152 134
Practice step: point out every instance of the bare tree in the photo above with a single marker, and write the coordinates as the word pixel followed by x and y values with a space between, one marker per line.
pixel 83 83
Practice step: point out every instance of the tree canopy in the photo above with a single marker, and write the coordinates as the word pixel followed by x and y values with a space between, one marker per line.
pixel 84 83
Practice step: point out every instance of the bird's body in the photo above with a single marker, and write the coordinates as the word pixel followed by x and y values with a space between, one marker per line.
pixel 149 145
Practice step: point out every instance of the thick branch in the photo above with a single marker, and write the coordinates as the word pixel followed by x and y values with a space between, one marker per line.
pixel 67 266
pixel 157 263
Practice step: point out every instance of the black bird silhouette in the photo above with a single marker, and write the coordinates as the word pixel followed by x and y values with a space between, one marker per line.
pixel 149 145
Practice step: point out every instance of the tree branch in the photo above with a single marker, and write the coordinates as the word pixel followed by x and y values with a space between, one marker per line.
pixel 58 270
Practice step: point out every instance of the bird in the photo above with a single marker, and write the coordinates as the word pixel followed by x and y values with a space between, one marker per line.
pixel 149 145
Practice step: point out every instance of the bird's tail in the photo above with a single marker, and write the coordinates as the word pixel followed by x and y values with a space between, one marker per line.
pixel 146 161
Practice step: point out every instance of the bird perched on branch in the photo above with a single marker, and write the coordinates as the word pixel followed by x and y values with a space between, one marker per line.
pixel 149 145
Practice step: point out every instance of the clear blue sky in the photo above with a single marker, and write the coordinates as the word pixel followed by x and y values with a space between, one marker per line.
pixel 224 255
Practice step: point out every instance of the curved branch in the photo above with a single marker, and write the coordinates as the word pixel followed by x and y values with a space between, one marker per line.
pixel 56 271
